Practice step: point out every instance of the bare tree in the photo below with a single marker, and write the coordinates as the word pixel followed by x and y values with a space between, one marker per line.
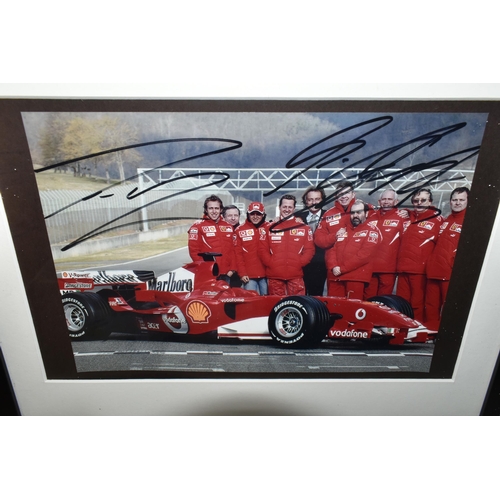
pixel 115 133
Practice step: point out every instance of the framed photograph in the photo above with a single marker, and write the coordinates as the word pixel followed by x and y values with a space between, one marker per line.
pixel 107 223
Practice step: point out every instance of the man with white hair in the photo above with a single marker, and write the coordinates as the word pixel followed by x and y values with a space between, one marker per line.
pixel 390 221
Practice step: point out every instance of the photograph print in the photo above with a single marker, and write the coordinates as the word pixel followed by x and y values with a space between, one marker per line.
pixel 255 243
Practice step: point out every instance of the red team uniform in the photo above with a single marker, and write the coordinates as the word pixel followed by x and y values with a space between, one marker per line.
pixel 439 267
pixel 353 252
pixel 247 250
pixel 332 220
pixel 207 235
pixel 417 243
pixel 391 226
pixel 284 253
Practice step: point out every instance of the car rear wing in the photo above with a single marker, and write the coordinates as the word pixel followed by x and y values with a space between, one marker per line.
pixel 84 281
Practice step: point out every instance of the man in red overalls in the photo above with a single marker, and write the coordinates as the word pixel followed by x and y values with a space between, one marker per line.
pixel 249 266
pixel 417 243
pixel 286 246
pixel 440 263
pixel 213 234
pixel 335 218
pixel 349 263
pixel 390 221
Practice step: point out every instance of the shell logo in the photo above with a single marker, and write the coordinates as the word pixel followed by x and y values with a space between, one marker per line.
pixel 198 312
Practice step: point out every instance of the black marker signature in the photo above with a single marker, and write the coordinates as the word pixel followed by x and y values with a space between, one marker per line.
pixel 372 171
pixel 235 145
pixel 135 192
pixel 101 230
pixel 378 163
pixel 317 155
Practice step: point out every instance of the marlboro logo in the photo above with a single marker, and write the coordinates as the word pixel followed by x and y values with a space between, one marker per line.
pixel 179 281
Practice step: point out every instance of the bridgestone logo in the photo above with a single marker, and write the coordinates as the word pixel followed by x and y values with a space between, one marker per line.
pixel 77 285
pixel 74 301
pixel 287 303
pixel 349 334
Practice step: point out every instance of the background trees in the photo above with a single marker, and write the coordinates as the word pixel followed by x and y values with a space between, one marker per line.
pixel 71 136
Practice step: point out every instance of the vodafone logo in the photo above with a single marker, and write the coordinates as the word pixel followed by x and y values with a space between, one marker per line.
pixel 175 320
pixel 349 334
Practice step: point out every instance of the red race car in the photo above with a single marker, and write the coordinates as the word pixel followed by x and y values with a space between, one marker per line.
pixel 193 300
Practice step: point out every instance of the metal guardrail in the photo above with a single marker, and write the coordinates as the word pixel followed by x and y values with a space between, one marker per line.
pixel 177 194
pixel 71 214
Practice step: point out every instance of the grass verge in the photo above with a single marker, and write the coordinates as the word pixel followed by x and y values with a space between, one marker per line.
pixel 131 252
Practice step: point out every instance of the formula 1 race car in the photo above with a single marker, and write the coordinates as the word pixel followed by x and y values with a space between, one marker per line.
pixel 194 300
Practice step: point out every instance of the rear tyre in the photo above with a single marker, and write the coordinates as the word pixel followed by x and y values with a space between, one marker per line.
pixel 87 315
pixel 301 321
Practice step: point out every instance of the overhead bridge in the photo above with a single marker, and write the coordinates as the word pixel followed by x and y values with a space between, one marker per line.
pixel 272 183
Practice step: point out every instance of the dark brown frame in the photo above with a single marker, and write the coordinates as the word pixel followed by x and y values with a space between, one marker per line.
pixel 22 204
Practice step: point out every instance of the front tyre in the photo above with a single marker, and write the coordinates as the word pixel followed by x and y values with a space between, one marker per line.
pixel 394 302
pixel 87 315
pixel 380 335
pixel 301 321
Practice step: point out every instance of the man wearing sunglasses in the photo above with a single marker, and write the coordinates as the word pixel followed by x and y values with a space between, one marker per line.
pixel 417 243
